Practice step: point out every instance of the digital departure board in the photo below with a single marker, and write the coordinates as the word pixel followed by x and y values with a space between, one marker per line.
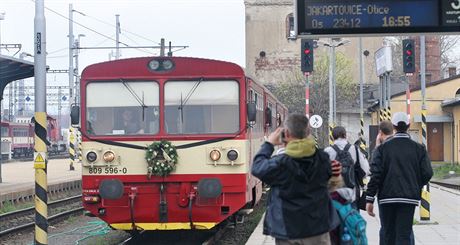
pixel 347 17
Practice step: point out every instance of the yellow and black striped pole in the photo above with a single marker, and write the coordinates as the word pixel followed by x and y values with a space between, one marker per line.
pixel 425 200
pixel 80 157
pixel 71 148
pixel 331 139
pixel 362 144
pixel 40 154
pixel 41 182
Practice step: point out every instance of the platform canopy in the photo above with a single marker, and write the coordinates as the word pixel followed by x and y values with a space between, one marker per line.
pixel 12 69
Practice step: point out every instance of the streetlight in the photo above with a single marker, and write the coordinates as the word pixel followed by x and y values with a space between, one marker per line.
pixel 333 43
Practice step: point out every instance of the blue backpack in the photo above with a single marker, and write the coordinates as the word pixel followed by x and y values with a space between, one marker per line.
pixel 353 221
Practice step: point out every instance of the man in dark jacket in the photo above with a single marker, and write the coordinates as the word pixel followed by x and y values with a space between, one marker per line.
pixel 298 205
pixel 400 168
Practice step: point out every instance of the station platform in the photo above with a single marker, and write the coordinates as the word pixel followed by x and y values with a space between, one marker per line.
pixel 18 178
pixel 443 227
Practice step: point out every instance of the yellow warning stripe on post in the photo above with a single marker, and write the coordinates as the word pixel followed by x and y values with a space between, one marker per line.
pixel 39 160
pixel 425 205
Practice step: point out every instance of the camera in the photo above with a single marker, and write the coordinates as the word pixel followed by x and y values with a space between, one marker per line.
pixel 283 136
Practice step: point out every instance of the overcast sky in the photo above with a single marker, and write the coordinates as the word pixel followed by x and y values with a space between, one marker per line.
pixel 211 28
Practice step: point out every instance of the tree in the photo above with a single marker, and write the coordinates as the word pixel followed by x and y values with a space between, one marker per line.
pixel 291 91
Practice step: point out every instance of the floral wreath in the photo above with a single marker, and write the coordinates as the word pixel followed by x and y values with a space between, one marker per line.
pixel 161 158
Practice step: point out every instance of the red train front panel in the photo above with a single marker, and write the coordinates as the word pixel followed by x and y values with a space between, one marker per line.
pixel 197 106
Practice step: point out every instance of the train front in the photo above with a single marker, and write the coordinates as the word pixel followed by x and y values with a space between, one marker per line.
pixel 164 149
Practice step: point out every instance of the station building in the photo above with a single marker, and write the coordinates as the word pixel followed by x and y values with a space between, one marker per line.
pixel 442 100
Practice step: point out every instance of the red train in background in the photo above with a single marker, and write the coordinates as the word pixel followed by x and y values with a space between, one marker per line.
pixel 168 142
pixel 18 139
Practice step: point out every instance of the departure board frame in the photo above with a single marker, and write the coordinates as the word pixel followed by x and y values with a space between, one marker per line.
pixel 376 17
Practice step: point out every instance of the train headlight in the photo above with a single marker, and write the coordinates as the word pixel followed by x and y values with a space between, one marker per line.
pixel 91 156
pixel 109 156
pixel 215 155
pixel 232 155
pixel 167 64
pixel 154 64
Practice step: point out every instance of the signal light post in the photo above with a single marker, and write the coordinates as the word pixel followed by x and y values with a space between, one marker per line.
pixel 306 60
pixel 408 67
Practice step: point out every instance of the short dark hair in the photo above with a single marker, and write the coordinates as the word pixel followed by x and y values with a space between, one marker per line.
pixel 386 127
pixel 401 128
pixel 339 132
pixel 297 124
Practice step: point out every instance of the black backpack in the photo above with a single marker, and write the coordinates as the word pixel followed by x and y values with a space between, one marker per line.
pixel 348 171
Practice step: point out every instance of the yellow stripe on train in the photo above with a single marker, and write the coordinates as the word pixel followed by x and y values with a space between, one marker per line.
pixel 164 226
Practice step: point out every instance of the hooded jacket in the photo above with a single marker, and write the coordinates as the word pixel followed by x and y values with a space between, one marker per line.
pixel 298 203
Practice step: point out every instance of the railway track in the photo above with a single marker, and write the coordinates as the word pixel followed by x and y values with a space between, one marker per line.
pixel 451 186
pixel 13 222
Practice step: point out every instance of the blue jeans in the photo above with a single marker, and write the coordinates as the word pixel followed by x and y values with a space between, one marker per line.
pixel 396 224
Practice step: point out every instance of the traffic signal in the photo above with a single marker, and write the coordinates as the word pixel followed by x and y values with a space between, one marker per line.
pixel 306 55
pixel 408 56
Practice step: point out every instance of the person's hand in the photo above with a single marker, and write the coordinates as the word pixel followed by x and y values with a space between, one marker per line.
pixel 336 168
pixel 378 140
pixel 274 137
pixel 370 209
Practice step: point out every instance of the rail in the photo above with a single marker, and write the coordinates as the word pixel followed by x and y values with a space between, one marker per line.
pixel 10 216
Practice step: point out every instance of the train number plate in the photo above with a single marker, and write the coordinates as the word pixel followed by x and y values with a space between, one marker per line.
pixel 107 170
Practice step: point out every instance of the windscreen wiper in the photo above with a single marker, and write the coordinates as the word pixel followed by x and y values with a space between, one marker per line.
pixel 133 93
pixel 187 97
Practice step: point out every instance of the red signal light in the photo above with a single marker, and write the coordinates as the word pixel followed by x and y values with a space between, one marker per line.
pixel 307 51
pixel 408 52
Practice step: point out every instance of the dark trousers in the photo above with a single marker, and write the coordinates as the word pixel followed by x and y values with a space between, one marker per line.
pixel 396 220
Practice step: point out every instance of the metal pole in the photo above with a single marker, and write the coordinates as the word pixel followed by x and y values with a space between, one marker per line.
pixel 71 42
pixel 408 97
pixel 307 96
pixel 334 86
pixel 162 47
pixel 425 200
pixel 331 94
pixel 40 155
pixel 388 96
pixel 2 17
pixel 361 93
pixel 117 50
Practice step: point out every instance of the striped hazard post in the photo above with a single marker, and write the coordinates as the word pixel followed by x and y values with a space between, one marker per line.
pixel 41 184
pixel 362 144
pixel 80 156
pixel 425 201
pixel 331 139
pixel 389 113
pixel 71 148
pixel 381 117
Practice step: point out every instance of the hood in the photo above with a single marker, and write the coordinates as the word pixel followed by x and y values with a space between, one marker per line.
pixel 301 148
pixel 347 194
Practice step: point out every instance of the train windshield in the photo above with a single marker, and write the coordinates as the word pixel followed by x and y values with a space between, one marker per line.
pixel 122 108
pixel 201 107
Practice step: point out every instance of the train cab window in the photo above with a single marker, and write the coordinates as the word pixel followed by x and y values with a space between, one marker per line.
pixel 122 108
pixel 201 107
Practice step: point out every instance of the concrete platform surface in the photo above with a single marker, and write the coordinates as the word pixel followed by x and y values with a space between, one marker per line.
pixel 20 176
pixel 443 227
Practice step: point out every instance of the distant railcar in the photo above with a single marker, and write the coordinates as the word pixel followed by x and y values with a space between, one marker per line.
pixel 212 115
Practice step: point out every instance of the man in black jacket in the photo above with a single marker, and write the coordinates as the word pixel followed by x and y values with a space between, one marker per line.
pixel 298 205
pixel 400 168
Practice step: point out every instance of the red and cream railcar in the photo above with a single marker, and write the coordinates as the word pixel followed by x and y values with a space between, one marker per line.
pixel 209 112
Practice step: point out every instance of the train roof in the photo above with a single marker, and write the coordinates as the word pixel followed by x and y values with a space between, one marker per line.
pixel 185 66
